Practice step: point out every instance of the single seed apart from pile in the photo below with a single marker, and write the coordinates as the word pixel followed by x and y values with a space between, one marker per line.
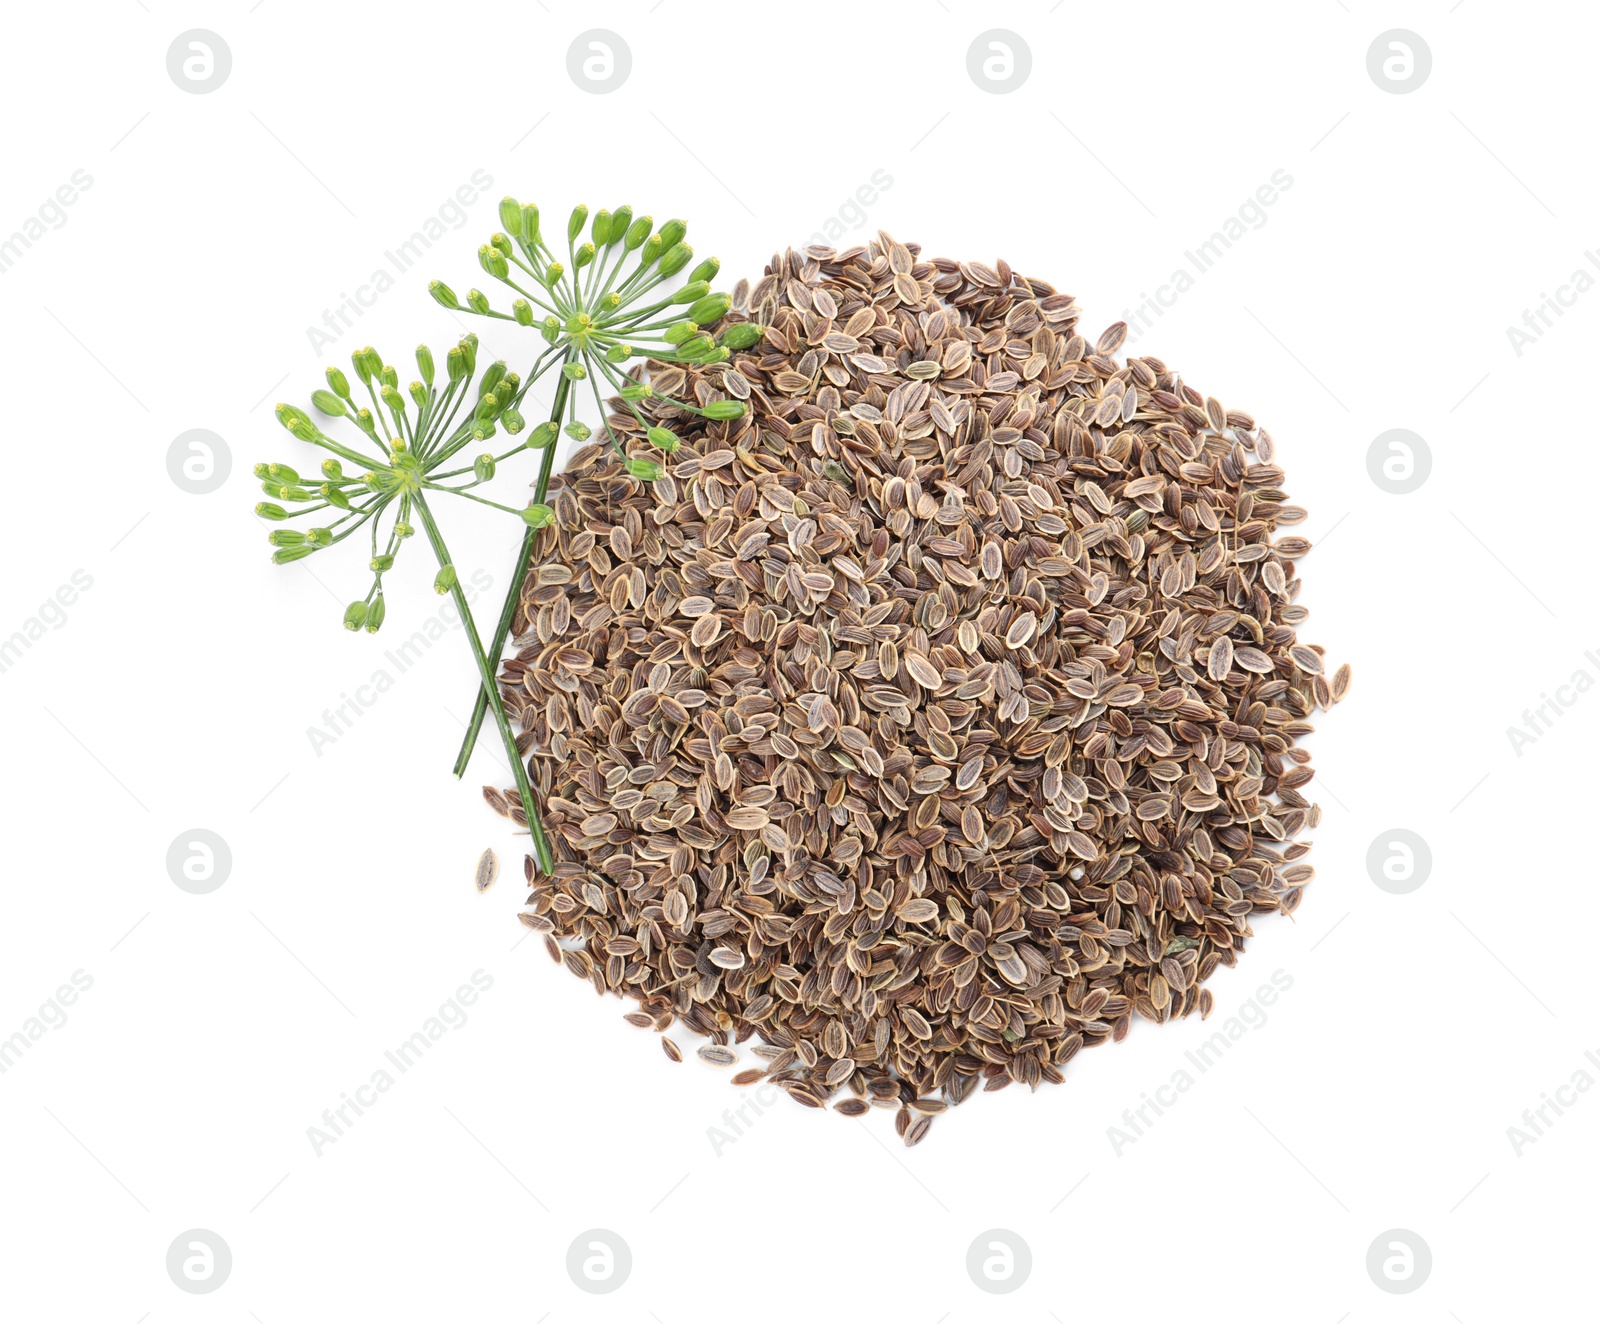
pixel 487 871
pixel 936 717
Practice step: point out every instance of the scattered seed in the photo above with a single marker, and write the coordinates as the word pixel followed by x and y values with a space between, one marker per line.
pixel 487 871
pixel 1341 682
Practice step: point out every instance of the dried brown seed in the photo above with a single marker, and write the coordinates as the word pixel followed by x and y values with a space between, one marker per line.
pixel 927 724
pixel 1341 682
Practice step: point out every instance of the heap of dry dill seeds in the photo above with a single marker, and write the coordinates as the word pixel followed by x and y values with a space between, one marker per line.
pixel 934 718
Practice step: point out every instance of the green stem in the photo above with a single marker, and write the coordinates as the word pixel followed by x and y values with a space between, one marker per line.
pixel 486 674
pixel 508 609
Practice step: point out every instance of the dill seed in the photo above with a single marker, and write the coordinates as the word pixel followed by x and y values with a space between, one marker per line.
pixel 936 718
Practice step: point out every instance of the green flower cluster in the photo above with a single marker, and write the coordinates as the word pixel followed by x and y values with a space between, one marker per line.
pixel 603 311
pixel 410 441
pixel 598 312
pixel 420 435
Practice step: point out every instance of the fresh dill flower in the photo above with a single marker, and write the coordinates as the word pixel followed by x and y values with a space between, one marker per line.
pixel 388 476
pixel 607 306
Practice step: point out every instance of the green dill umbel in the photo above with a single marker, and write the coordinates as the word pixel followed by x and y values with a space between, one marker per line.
pixel 404 453
pixel 602 312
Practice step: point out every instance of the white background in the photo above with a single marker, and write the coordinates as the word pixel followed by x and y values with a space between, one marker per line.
pixel 178 691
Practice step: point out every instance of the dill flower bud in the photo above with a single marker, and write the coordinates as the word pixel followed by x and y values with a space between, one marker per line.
pixel 492 260
pixel 675 259
pixel 741 335
pixel 511 216
pixel 328 403
pixel 712 308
